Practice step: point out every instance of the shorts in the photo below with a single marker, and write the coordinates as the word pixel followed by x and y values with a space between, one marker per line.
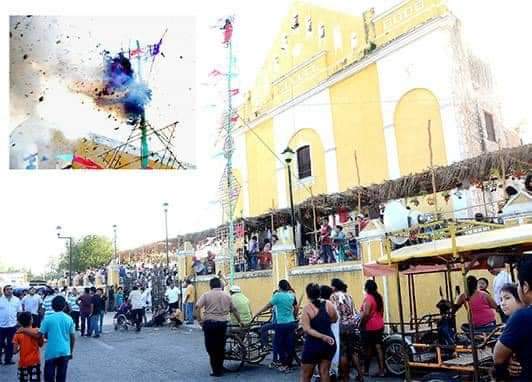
pixel 347 344
pixel 29 374
pixel 315 352
pixel 371 338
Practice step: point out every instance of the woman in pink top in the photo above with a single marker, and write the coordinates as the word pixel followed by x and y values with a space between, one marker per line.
pixel 482 305
pixel 372 325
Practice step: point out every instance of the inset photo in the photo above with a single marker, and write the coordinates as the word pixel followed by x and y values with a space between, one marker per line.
pixel 102 92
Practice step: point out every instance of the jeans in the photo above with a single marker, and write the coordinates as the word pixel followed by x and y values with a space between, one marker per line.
pixel 75 317
pixel 253 261
pixel 93 325
pixel 55 369
pixel 85 323
pixel 264 329
pixel 137 317
pixel 101 315
pixel 214 332
pixel 327 254
pixel 189 312
pixel 284 341
pixel 36 320
pixel 6 342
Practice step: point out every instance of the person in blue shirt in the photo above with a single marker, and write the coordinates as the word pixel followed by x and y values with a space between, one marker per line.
pixel 286 310
pixel 513 347
pixel 58 329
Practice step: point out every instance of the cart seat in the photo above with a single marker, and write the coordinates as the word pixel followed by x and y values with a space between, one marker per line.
pixel 466 359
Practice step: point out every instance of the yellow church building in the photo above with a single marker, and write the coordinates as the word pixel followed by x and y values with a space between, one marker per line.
pixel 337 85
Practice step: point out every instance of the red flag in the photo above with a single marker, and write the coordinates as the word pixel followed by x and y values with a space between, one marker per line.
pixel 215 73
pixel 135 52
pixel 234 118
pixel 343 215
pixel 81 162
pixel 228 32
pixel 234 92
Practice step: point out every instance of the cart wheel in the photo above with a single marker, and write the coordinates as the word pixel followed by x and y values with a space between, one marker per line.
pixel 121 322
pixel 254 348
pixel 395 355
pixel 235 353
pixel 439 377
pixel 298 350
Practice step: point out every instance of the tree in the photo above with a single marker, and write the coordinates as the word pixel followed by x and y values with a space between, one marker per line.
pixel 91 251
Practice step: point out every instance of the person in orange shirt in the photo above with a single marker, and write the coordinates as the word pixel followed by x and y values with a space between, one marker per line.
pixel 29 364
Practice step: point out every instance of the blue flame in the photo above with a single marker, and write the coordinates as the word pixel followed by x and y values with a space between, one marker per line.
pixel 119 78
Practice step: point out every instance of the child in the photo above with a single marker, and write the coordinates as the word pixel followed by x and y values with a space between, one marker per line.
pixel 29 364
pixel 58 329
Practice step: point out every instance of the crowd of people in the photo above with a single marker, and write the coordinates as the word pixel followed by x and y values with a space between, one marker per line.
pixel 338 335
pixel 339 339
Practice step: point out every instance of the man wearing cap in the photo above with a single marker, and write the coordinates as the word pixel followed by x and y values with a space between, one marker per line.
pixel 242 305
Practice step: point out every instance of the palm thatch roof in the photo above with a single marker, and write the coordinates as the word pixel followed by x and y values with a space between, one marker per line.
pixel 516 161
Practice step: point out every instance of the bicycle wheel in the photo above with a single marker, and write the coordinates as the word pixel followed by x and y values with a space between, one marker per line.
pixel 235 353
pixel 255 352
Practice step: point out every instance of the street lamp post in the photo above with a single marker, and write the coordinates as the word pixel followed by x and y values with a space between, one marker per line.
pixel 288 155
pixel 58 228
pixel 114 240
pixel 165 206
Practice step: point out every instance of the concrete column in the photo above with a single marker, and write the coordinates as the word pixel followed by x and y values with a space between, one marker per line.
pixel 283 255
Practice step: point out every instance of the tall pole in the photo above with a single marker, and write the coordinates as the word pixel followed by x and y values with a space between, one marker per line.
pixel 166 229
pixel 433 175
pixel 69 253
pixel 114 240
pixel 314 222
pixel 70 262
pixel 229 166
pixel 144 154
pixel 293 215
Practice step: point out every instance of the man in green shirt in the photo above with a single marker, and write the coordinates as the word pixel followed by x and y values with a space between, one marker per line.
pixel 242 305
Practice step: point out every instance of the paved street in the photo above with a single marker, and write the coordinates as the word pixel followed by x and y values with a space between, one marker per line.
pixel 151 355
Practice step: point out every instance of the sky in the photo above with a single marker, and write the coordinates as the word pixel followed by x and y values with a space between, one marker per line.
pixel 34 203
pixel 56 63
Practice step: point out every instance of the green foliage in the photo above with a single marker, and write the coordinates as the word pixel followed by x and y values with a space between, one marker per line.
pixel 89 252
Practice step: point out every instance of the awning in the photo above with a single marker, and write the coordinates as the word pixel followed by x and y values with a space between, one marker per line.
pixel 502 238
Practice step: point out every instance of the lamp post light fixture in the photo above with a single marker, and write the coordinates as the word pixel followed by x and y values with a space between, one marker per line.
pixel 69 238
pixel 165 207
pixel 288 156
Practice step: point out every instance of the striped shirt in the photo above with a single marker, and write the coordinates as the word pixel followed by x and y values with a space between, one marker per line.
pixel 73 302
pixel 47 304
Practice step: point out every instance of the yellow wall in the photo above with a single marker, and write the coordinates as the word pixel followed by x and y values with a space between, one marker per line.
pixel 260 289
pixel 301 47
pixel 309 137
pixel 412 114
pixel 357 125
pixel 261 166
pixel 406 17
pixel 103 155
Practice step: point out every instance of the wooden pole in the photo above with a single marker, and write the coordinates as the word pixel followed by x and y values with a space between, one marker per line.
pixel 358 193
pixel 273 208
pixel 314 218
pixel 432 169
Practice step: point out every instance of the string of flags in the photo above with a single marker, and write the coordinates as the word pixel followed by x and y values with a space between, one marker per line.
pixel 149 51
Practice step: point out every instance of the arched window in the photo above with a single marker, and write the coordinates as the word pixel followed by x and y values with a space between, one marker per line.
pixel 304 166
